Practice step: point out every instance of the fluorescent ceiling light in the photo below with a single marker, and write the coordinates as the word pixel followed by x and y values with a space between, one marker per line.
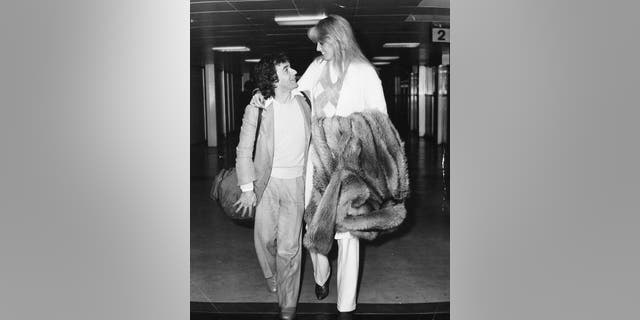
pixel 386 58
pixel 231 49
pixel 252 60
pixel 381 63
pixel 401 45
pixel 306 20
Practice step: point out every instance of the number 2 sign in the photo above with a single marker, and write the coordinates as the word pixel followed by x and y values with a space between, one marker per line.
pixel 440 35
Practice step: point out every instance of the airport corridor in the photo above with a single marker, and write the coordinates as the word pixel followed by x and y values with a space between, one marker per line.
pixel 406 272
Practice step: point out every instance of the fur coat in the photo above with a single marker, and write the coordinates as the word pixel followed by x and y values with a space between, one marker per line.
pixel 360 178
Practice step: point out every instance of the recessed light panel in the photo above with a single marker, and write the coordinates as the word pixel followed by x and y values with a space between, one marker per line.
pixel 305 20
pixel 386 58
pixel 401 45
pixel 231 49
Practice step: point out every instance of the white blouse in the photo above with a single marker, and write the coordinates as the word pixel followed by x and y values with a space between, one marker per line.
pixel 361 88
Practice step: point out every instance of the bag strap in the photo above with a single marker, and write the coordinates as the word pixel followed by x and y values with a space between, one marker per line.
pixel 255 140
pixel 306 98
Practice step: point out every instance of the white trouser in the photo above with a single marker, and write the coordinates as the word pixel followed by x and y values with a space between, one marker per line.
pixel 348 256
pixel 348 263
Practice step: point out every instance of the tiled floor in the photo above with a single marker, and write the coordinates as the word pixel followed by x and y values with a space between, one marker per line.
pixel 205 310
pixel 408 267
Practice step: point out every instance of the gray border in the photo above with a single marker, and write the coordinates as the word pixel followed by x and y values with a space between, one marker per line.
pixel 94 125
pixel 94 168
pixel 544 175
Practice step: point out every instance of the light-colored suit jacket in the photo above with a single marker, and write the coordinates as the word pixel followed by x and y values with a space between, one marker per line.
pixel 258 170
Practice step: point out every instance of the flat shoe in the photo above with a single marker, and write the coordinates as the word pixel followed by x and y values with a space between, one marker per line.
pixel 322 291
pixel 272 285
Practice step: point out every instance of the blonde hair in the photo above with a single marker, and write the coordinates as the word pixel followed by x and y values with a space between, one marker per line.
pixel 336 31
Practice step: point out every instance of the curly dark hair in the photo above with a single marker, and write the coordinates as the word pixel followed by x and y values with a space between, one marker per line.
pixel 265 75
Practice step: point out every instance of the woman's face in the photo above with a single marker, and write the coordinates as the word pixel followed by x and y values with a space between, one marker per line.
pixel 326 49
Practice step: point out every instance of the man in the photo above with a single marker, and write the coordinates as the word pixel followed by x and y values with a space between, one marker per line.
pixel 274 180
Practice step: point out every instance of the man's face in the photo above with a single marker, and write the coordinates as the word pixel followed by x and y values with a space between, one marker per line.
pixel 286 76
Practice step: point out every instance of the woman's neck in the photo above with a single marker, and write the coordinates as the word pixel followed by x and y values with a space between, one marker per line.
pixel 338 66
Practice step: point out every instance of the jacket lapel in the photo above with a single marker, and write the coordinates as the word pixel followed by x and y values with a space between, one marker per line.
pixel 267 122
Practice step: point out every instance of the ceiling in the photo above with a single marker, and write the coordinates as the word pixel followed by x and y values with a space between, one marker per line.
pixel 251 23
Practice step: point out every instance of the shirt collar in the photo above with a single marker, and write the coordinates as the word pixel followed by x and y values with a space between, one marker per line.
pixel 294 92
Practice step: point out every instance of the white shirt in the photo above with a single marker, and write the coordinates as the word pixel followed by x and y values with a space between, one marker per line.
pixel 288 153
pixel 288 140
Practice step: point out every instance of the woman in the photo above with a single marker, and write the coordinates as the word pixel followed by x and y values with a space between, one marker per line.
pixel 342 82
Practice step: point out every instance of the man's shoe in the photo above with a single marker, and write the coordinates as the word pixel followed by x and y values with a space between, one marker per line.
pixel 345 315
pixel 288 314
pixel 272 285
pixel 322 291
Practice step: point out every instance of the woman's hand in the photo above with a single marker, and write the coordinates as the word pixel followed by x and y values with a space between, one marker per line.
pixel 257 100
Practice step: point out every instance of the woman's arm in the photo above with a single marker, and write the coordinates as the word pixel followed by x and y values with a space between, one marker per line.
pixel 373 93
pixel 308 80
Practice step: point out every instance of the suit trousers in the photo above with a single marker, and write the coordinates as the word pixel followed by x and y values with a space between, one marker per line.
pixel 348 264
pixel 278 236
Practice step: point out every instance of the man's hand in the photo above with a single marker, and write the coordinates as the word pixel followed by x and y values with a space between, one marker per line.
pixel 246 201
pixel 257 100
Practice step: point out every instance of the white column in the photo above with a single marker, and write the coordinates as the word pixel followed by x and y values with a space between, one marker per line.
pixel 413 99
pixel 224 88
pixel 210 101
pixel 422 95
pixel 443 104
